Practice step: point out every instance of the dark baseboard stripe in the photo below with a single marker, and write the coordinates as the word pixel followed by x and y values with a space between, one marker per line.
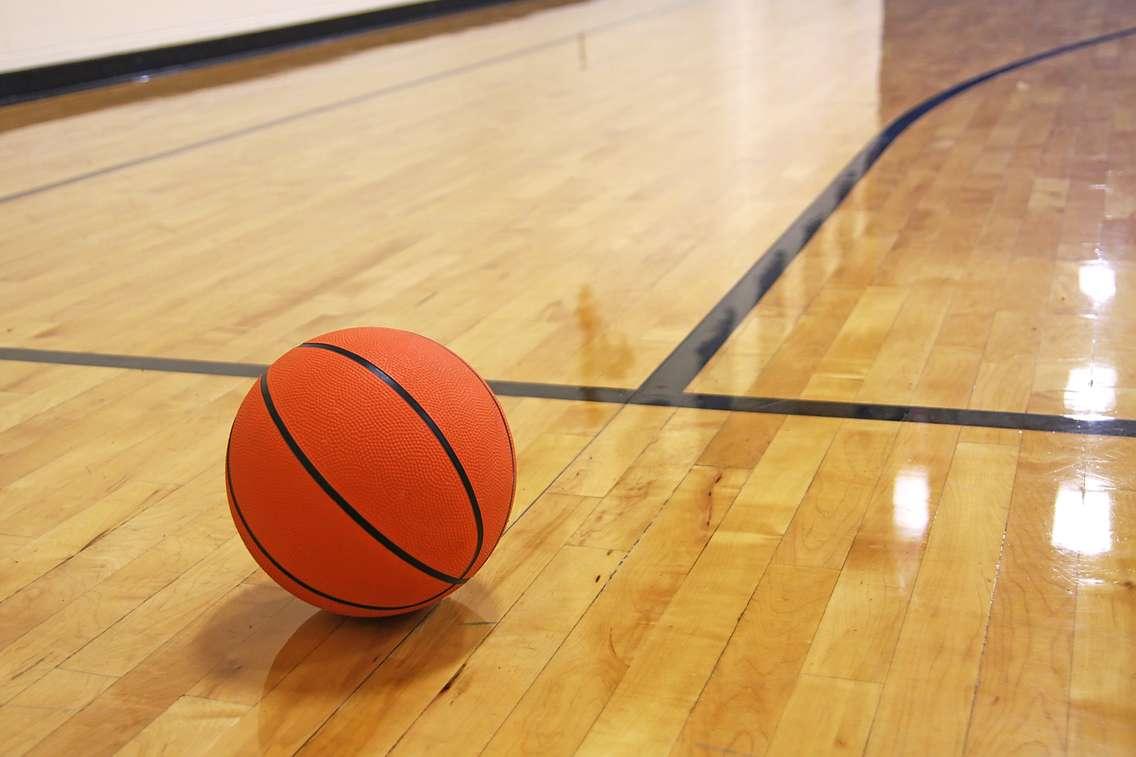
pixel 46 81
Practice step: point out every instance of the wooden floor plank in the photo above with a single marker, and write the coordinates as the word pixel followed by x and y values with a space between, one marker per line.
pixel 473 703
pixel 1021 703
pixel 857 637
pixel 740 706
pixel 826 716
pixel 44 706
pixel 189 726
pixel 647 709
pixel 134 701
pixel 377 712
pixel 635 499
pixel 828 518
pixel 1103 680
pixel 557 711
pixel 929 690
pixel 605 459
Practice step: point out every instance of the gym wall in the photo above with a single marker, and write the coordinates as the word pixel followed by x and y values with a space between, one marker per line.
pixel 37 33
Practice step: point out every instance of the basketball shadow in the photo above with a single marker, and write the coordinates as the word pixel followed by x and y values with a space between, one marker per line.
pixel 329 659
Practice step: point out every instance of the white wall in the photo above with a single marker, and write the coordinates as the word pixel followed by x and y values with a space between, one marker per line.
pixel 41 32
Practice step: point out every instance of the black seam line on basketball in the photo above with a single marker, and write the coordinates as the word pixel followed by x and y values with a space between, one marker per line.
pixel 420 411
pixel 346 102
pixel 300 582
pixel 691 355
pixel 339 499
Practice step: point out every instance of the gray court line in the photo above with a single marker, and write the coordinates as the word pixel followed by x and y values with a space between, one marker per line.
pixel 346 102
pixel 735 403
pixel 949 416
pixel 132 362
pixel 253 370
pixel 692 354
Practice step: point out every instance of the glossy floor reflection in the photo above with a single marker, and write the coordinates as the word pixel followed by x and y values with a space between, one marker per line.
pixel 985 262
pixel 674 580
pixel 471 200
pixel 598 177
pixel 561 195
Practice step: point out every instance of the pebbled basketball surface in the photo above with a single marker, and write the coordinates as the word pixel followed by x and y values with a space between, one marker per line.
pixel 370 471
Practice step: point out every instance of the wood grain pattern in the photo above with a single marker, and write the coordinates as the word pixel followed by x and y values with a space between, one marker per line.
pixel 976 265
pixel 1021 702
pixel 740 706
pixel 560 707
pixel 559 192
pixel 826 716
pixel 927 697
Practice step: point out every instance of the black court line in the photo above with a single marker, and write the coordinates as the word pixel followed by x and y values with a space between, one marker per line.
pixel 254 370
pixel 688 359
pixel 133 362
pixel 562 391
pixel 666 385
pixel 373 94
pixel 735 403
pixel 898 413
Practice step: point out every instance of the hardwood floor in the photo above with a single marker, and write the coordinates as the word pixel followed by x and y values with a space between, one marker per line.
pixel 560 192
pixel 985 262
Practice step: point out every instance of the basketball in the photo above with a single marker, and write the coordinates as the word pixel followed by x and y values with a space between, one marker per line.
pixel 370 471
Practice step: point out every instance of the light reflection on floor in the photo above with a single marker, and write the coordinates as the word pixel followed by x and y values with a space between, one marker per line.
pixel 910 499
pixel 1082 519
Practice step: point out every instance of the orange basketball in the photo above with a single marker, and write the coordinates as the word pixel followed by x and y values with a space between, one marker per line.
pixel 370 471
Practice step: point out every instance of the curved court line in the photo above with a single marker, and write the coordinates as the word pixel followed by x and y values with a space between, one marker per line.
pixel 692 354
pixel 346 102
